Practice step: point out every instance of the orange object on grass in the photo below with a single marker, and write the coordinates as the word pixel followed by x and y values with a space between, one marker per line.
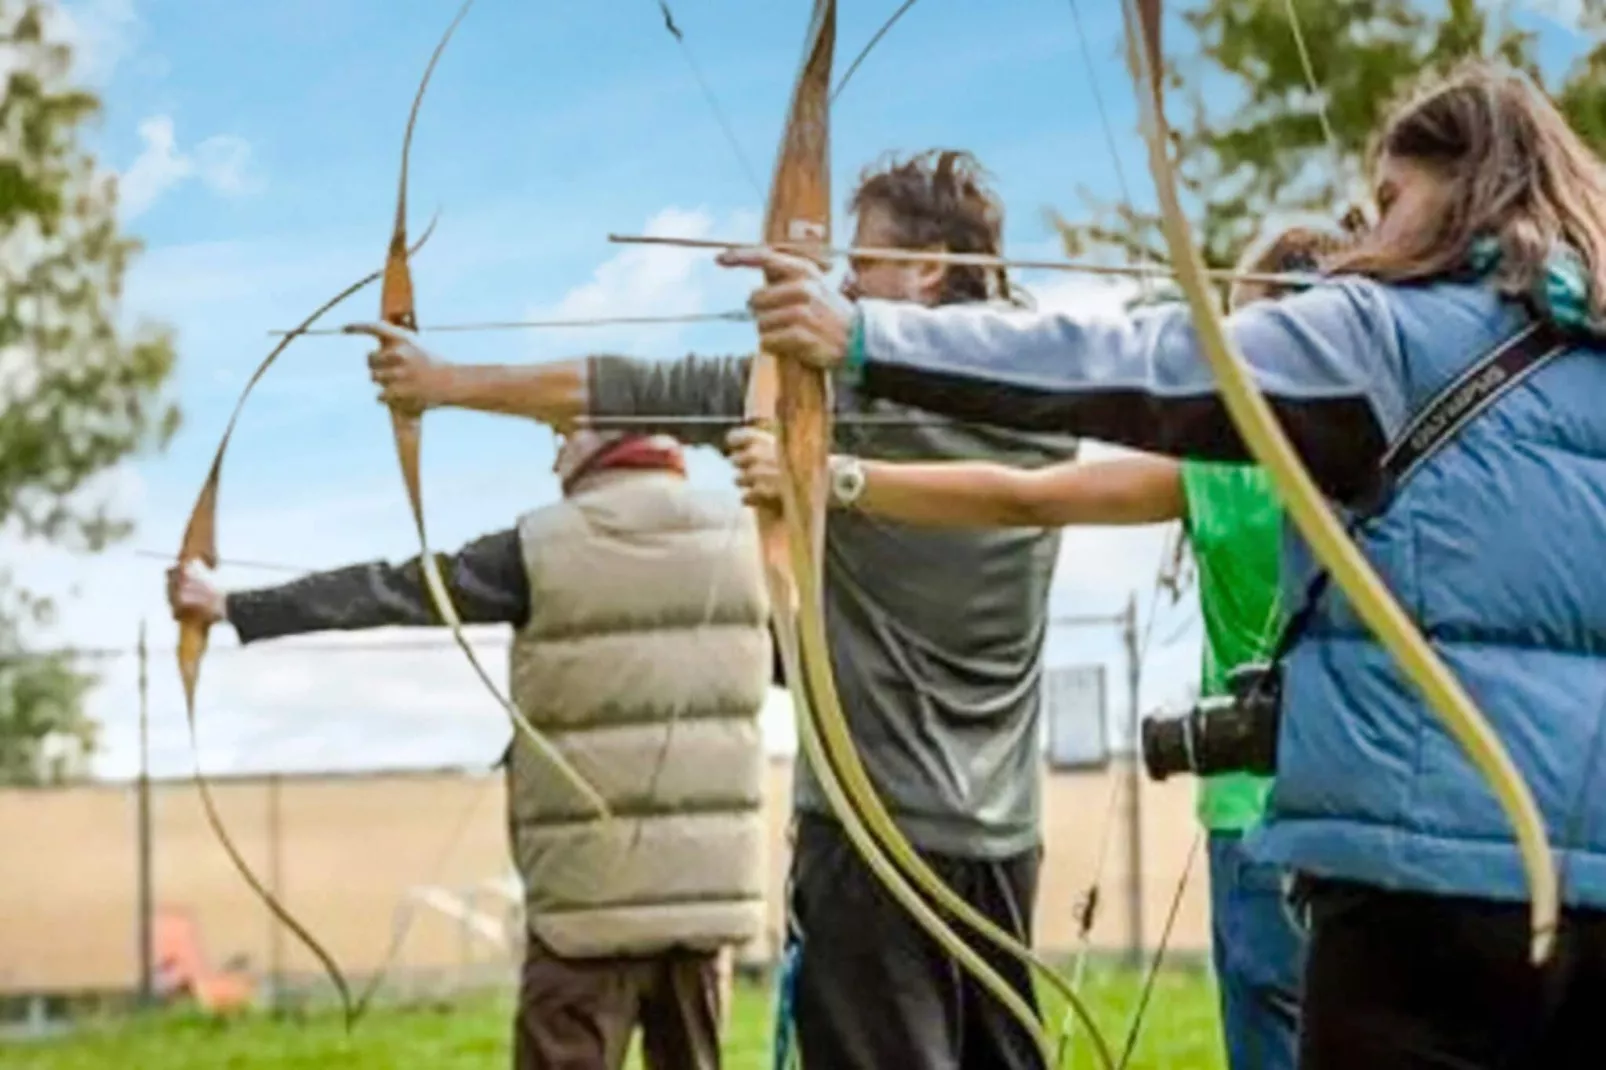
pixel 181 967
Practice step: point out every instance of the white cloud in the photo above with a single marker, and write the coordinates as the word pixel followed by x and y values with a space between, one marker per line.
pixel 157 168
pixel 221 163
pixel 656 280
pixel 102 34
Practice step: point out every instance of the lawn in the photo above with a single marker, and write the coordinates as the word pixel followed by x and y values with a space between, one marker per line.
pixel 1179 1031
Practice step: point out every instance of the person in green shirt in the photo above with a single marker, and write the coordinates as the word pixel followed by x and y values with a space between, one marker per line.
pixel 1234 524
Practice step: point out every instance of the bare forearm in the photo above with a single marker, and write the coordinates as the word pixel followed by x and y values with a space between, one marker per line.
pixel 556 393
pixel 1139 490
pixel 953 495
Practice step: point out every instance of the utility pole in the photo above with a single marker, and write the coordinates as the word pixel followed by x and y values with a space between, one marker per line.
pixel 1127 622
pixel 275 876
pixel 142 795
pixel 1134 806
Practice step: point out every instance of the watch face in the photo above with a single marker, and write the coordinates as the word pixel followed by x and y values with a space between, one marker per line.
pixel 847 483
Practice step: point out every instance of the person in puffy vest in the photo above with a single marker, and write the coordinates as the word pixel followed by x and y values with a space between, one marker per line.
pixel 936 642
pixel 1491 236
pixel 641 649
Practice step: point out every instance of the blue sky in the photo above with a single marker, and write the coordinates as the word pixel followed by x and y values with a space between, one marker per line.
pixel 258 146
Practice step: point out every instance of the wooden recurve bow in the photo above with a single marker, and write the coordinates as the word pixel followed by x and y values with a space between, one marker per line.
pixel 396 307
pixel 795 402
pixel 200 544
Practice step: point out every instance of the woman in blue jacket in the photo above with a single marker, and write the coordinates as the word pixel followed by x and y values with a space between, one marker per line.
pixel 1492 213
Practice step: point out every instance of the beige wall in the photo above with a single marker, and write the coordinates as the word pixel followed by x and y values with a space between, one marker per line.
pixel 350 847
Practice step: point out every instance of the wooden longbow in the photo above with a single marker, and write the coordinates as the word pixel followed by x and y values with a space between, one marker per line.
pixel 199 543
pixel 1308 508
pixel 795 402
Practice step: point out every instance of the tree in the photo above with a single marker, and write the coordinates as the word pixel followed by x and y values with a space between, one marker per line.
pixel 79 392
pixel 1261 147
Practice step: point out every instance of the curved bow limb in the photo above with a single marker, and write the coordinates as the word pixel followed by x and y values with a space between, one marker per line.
pixel 397 307
pixel 1309 509
pixel 199 543
pixel 796 402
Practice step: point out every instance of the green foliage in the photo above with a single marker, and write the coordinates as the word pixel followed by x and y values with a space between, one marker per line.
pixel 1179 1030
pixel 1249 138
pixel 79 392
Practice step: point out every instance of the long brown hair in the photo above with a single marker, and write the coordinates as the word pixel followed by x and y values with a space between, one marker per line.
pixel 940 199
pixel 1514 171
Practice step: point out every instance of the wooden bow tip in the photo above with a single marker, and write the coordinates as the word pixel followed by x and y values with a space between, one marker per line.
pixel 1371 598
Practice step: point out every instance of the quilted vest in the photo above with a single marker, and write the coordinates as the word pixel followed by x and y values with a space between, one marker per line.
pixel 646 660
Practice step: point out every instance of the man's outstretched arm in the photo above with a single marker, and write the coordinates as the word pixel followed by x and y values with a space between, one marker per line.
pixel 561 393
pixel 555 393
pixel 486 581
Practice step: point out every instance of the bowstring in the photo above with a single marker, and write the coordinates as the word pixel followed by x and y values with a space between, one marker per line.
pixel 708 95
pixel 740 516
pixel 1153 973
pixel 1104 112
pixel 1128 782
pixel 1313 84
pixel 864 52
pixel 720 115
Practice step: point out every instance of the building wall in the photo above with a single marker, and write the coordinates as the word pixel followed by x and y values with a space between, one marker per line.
pixel 343 852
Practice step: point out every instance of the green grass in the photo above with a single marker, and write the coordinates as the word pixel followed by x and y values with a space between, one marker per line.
pixel 1179 1030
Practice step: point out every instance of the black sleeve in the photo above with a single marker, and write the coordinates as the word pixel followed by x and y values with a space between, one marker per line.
pixel 777 665
pixel 486 581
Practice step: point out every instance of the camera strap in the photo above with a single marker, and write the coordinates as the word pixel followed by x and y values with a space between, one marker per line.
pixel 1465 398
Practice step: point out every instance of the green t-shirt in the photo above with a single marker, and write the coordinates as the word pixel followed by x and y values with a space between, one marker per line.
pixel 1235 525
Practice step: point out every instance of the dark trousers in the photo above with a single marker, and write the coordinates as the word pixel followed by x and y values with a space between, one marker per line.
pixel 873 991
pixel 1398 981
pixel 1259 954
pixel 579 1014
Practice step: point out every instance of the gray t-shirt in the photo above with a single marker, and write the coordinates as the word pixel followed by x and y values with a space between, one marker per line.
pixel 936 635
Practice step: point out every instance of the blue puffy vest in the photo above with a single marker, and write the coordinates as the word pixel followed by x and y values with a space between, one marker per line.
pixel 1497 548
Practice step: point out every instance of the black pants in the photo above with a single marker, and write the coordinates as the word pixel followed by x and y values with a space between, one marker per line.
pixel 1396 981
pixel 874 991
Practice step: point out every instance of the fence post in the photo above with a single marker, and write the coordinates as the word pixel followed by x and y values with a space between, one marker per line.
pixel 275 883
pixel 1134 801
pixel 142 796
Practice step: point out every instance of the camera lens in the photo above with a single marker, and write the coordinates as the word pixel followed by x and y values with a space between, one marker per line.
pixel 1164 741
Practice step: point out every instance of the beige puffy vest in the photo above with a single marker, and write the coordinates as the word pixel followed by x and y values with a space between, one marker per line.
pixel 647 643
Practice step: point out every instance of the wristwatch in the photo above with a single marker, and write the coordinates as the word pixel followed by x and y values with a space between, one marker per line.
pixel 847 481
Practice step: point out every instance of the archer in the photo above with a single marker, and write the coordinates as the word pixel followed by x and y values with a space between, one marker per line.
pixel 936 640
pixel 1488 262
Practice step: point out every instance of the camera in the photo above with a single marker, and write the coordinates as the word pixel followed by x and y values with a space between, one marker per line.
pixel 1231 733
